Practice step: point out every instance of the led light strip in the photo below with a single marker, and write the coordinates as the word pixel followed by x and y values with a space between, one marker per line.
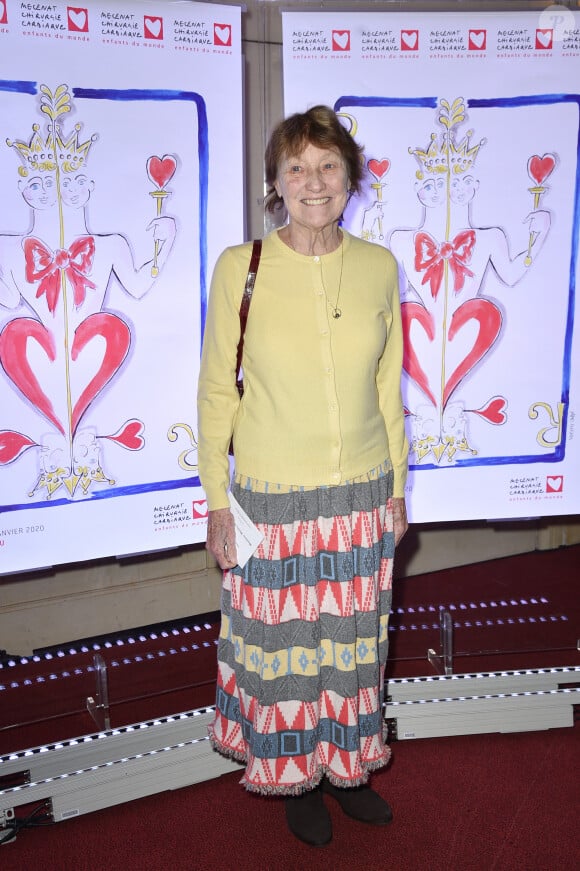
pixel 479 624
pixel 77 753
pixel 106 645
pixel 527 694
pixel 89 668
pixel 560 671
pixel 462 606
pixel 111 762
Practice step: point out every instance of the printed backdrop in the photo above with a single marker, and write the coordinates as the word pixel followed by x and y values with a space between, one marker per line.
pixel 470 123
pixel 121 139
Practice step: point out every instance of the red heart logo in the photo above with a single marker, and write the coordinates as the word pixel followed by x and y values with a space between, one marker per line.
pixel 539 168
pixel 379 168
pixel 161 169
pixel 494 411
pixel 488 317
pixel 199 508
pixel 130 435
pixel 117 338
pixel 13 357
pixel 413 311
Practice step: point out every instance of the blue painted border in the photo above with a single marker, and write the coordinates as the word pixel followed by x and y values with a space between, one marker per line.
pixel 558 454
pixel 131 95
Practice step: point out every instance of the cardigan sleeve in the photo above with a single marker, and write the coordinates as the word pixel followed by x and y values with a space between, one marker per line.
pixel 217 396
pixel 389 387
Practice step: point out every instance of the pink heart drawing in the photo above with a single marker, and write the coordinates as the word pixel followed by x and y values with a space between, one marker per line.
pixel 482 311
pixel 129 435
pixel 379 168
pixel 494 411
pixel 13 357
pixel 16 363
pixel 539 168
pixel 489 319
pixel 161 169
pixel 413 311
pixel 117 337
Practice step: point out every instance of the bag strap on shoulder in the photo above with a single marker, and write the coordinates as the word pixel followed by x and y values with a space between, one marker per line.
pixel 246 300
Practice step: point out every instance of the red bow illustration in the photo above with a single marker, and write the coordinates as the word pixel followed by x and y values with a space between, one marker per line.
pixel 44 265
pixel 431 257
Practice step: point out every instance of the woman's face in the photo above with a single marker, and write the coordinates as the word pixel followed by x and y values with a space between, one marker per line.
pixel 314 187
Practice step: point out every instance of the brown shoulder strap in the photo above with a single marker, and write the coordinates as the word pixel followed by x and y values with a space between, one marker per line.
pixel 247 298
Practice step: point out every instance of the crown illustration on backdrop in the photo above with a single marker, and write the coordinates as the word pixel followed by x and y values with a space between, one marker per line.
pixel 444 154
pixel 46 152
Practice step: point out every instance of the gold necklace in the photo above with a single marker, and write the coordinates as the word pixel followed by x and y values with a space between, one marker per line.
pixel 334 308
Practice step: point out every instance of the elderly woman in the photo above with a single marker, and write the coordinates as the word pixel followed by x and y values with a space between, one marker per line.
pixel 320 465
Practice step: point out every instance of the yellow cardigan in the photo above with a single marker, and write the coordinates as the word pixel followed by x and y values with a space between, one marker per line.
pixel 322 400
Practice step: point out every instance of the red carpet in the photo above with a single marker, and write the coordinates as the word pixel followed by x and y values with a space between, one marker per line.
pixel 472 803
pixel 517 612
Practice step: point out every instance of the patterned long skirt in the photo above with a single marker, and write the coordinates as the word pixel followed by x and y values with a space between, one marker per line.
pixel 304 638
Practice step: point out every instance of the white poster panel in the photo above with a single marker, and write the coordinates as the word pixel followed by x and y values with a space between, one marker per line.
pixel 470 124
pixel 121 140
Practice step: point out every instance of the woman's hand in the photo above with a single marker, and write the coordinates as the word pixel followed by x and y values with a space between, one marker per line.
pixel 221 537
pixel 400 524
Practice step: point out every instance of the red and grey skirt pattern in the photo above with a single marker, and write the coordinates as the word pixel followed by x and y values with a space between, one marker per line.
pixel 304 638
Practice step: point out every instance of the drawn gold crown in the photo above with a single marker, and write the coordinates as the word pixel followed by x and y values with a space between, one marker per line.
pixel 36 155
pixel 45 153
pixel 443 154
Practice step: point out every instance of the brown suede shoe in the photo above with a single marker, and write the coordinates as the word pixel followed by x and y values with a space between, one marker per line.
pixel 308 819
pixel 361 803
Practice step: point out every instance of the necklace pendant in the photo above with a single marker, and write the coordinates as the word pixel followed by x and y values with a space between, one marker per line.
pixel 336 313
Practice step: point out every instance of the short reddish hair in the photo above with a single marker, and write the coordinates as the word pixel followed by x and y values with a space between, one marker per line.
pixel 318 126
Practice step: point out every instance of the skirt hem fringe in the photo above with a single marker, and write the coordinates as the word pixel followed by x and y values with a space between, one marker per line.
pixel 309 784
